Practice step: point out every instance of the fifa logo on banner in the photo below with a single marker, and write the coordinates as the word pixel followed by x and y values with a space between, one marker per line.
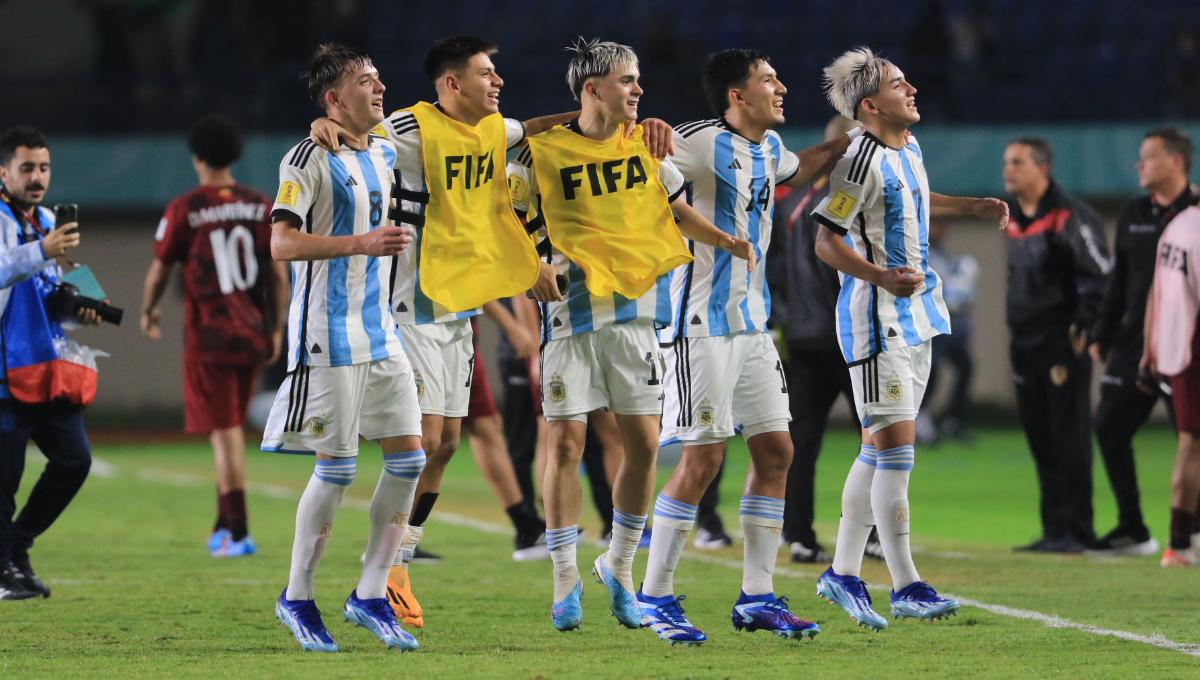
pixel 610 172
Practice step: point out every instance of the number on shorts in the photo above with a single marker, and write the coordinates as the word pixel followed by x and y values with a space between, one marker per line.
pixel 233 255
pixel 653 370
pixel 782 377
pixel 470 370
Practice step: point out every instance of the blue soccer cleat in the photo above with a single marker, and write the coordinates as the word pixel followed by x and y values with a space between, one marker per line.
pixel 376 615
pixel 242 548
pixel 767 612
pixel 850 593
pixel 217 542
pixel 567 613
pixel 622 602
pixel 304 620
pixel 919 600
pixel 664 616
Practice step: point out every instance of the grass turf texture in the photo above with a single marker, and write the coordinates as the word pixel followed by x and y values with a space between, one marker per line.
pixel 135 594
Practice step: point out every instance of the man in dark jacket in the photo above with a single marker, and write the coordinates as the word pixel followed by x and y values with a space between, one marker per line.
pixel 1057 271
pixel 1125 404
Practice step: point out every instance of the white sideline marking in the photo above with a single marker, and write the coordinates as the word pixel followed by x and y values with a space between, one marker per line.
pixel 287 493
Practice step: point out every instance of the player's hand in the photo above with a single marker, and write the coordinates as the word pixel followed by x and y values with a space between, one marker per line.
pixel 1097 352
pixel 1147 375
pixel 330 135
pixel 991 209
pixel 545 289
pixel 535 369
pixel 385 241
pixel 88 317
pixel 149 324
pixel 740 247
pixel 276 346
pixel 657 135
pixel 523 342
pixel 1078 339
pixel 900 281
pixel 61 239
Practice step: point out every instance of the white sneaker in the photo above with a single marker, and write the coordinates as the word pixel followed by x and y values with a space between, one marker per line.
pixel 711 540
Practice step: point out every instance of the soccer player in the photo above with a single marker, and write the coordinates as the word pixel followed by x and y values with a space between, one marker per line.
pixel 234 296
pixel 603 200
pixel 723 371
pixel 1172 342
pixel 348 374
pixel 465 122
pixel 875 230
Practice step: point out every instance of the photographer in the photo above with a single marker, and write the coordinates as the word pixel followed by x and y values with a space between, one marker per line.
pixel 41 396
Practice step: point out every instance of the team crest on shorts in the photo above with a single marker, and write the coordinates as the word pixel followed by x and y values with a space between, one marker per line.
pixel 318 427
pixel 557 389
pixel 419 380
pixel 894 390
pixel 704 414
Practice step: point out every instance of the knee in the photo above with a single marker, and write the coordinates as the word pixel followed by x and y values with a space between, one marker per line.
pixel 565 451
pixel 702 465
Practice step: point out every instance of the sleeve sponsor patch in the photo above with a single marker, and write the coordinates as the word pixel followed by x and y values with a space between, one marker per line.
pixel 379 131
pixel 518 189
pixel 288 193
pixel 841 204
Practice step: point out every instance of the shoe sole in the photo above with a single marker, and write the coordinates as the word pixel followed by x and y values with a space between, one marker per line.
pixel 934 617
pixel 283 617
pixel 823 592
pixel 1143 549
pixel 361 620
pixel 807 634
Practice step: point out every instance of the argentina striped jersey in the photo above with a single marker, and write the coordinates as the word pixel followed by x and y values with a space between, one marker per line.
pixel 582 312
pixel 339 313
pixel 733 185
pixel 879 201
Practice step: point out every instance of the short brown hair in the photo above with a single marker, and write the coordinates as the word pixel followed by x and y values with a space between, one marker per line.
pixel 1041 149
pixel 328 64
pixel 1175 141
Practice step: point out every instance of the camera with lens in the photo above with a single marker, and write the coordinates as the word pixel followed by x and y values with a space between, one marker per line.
pixel 66 301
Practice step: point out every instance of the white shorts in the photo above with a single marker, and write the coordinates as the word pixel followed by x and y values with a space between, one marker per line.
pixel 617 367
pixel 889 387
pixel 442 358
pixel 326 408
pixel 715 385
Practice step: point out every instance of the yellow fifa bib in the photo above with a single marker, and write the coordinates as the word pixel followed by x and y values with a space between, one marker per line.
pixel 473 247
pixel 606 209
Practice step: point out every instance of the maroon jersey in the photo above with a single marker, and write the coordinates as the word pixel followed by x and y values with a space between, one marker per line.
pixel 222 237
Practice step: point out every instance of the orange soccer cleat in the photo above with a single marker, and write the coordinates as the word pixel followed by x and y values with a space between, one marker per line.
pixel 400 596
pixel 1177 558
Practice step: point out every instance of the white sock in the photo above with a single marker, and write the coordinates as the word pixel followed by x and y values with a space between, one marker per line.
pixel 626 534
pixel 857 519
pixel 389 514
pixel 889 499
pixel 673 522
pixel 561 543
pixel 408 546
pixel 314 522
pixel 762 522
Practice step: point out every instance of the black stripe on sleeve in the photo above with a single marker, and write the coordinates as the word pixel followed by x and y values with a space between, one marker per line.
pixel 519 141
pixel 678 193
pixel 837 228
pixel 303 151
pixel 862 162
pixel 285 215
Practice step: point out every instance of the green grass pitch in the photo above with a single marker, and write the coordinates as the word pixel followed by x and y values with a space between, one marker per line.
pixel 135 594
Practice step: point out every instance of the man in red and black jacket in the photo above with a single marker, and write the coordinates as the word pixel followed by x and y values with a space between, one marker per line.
pixel 1057 271
pixel 1164 162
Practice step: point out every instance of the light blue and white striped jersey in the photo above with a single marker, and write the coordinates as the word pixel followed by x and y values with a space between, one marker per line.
pixel 733 184
pixel 879 200
pixel 339 313
pixel 582 312
pixel 409 302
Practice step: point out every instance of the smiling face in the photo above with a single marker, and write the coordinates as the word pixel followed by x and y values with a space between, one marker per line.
pixel 357 100
pixel 616 94
pixel 26 177
pixel 761 96
pixel 477 85
pixel 895 102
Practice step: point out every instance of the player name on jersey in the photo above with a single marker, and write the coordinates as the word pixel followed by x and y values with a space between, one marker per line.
pixel 227 212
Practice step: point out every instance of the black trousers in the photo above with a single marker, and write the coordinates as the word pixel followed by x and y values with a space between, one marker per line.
pixel 57 429
pixel 815 379
pixel 1053 402
pixel 1123 410
pixel 953 349
pixel 520 433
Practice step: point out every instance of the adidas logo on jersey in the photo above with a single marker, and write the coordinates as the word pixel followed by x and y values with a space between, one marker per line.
pixel 891 332
pixel 402 308
pixel 557 323
pixel 696 320
pixel 316 349
pixel 350 181
pixel 735 165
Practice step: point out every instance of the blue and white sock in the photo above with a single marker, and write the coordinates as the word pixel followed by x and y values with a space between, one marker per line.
pixel 889 500
pixel 673 521
pixel 626 534
pixel 390 507
pixel 561 543
pixel 762 522
pixel 314 521
pixel 857 519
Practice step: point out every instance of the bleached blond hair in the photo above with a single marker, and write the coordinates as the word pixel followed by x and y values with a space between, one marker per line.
pixel 853 77
pixel 592 58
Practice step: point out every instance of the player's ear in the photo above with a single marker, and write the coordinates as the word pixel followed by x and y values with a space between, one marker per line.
pixel 450 82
